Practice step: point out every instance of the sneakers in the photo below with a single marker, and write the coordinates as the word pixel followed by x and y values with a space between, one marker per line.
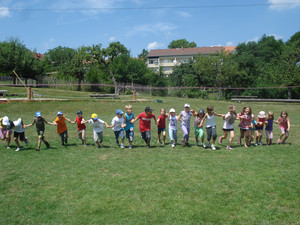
pixel 99 146
pixel 37 149
pixel 182 142
pixel 187 144
pixel 117 142
pixel 213 147
pixel 278 141
pixel 260 143
pixel 203 145
pixel 283 142
pixel 255 144
pixel 173 145
pixel 220 140
pixel 122 146
pixel 7 147
pixel 148 146
pixel 18 149
pixel 228 147
pixel 26 141
pixel 130 146
pixel 47 144
pixel 84 145
pixel 208 144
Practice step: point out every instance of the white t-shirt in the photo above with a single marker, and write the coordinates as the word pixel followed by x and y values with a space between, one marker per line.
pixel 117 122
pixel 97 125
pixel 186 118
pixel 229 121
pixel 173 122
pixel 18 126
pixel 210 120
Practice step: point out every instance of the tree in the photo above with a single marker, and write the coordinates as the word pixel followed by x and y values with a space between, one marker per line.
pixel 182 43
pixel 11 56
pixel 107 55
pixel 143 55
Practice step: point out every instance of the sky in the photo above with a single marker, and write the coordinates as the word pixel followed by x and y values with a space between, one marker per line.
pixel 145 24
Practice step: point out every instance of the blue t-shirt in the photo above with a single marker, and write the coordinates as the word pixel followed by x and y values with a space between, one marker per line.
pixel 270 125
pixel 129 125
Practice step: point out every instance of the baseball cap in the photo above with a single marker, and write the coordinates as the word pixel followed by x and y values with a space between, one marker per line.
pixel 5 120
pixel 119 112
pixel 59 113
pixel 148 109
pixel 94 116
pixel 262 114
pixel 186 105
pixel 38 114
pixel 79 112
pixel 172 110
pixel 201 111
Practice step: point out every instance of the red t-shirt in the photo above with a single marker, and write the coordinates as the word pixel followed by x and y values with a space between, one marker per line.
pixel 145 121
pixel 162 121
pixel 260 120
pixel 79 125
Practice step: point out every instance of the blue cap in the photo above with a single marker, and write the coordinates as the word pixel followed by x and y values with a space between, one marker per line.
pixel 79 112
pixel 59 113
pixel 119 112
pixel 38 114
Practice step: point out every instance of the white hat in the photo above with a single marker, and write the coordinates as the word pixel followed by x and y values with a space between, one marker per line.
pixel 172 110
pixel 262 114
pixel 5 121
pixel 186 105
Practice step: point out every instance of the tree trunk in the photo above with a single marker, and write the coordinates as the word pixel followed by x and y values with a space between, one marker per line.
pixel 289 93
pixel 79 85
pixel 112 78
pixel 219 93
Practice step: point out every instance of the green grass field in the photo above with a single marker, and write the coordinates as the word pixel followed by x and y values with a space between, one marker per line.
pixel 160 185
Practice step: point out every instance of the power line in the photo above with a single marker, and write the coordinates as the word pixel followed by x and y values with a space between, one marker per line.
pixel 150 7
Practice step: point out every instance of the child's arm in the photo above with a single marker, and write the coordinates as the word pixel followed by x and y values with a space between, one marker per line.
pixel 217 114
pixel 277 121
pixel 73 122
pixel 194 113
pixel 123 125
pixel 155 120
pixel 29 125
pixel 201 124
pixel 289 124
pixel 158 120
pixel 68 120
pixel 107 126
pixel 179 117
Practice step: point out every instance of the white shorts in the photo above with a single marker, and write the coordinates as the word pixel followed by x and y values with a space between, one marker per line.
pixel 269 134
pixel 98 135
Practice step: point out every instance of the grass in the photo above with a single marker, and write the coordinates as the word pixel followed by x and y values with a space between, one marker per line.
pixel 161 185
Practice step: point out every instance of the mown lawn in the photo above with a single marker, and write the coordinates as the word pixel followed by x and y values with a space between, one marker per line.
pixel 161 185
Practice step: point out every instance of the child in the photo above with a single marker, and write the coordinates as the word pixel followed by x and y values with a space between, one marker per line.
pixel 185 124
pixel 97 127
pixel 269 127
pixel 4 133
pixel 39 122
pixel 259 127
pixel 210 125
pixel 284 126
pixel 246 117
pixel 129 128
pixel 228 126
pixel 19 131
pixel 145 124
pixel 172 127
pixel 252 131
pixel 62 129
pixel 161 125
pixel 199 133
pixel 118 124
pixel 80 127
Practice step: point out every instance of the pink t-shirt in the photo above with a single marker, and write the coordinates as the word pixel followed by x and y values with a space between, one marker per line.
pixel 283 123
pixel 245 121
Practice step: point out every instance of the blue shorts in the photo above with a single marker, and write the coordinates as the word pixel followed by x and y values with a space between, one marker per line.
pixel 159 130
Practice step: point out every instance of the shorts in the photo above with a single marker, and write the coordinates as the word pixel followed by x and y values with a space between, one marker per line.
pixel 259 128
pixel 130 134
pixel 159 130
pixel 228 130
pixel 40 133
pixel 98 135
pixel 81 134
pixel 199 132
pixel 282 130
pixel 269 134
pixel 21 135
pixel 3 133
pixel 119 133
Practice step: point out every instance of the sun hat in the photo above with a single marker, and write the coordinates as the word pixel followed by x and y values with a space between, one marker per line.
pixel 38 114
pixel 79 112
pixel 262 114
pixel 148 109
pixel 119 112
pixel 5 121
pixel 172 110
pixel 94 116
pixel 201 111
pixel 59 113
pixel 187 105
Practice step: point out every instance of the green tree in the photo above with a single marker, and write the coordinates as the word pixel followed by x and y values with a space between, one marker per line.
pixel 143 55
pixel 182 43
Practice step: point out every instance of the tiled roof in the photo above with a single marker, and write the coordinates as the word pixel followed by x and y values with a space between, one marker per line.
pixel 189 51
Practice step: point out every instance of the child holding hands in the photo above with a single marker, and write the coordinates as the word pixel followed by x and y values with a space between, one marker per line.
pixel 117 124
pixel 199 133
pixel 284 126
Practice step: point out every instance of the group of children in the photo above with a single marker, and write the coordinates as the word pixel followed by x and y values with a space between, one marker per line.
pixel 123 126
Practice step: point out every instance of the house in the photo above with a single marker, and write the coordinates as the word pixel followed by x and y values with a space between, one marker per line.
pixel 167 59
